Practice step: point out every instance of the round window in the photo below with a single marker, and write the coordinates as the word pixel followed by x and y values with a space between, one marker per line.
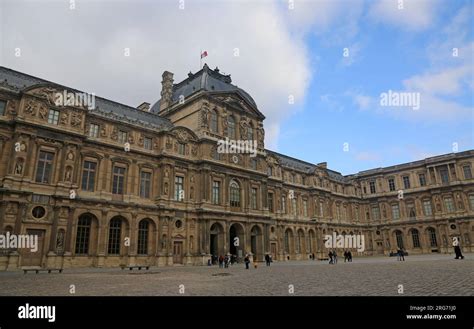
pixel 272 229
pixel 38 212
pixel 178 224
pixel 378 232
pixel 453 227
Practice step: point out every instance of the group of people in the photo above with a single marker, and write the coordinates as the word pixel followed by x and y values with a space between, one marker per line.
pixel 333 256
pixel 225 261
pixel 401 254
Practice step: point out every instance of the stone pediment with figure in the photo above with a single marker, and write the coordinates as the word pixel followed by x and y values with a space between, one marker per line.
pixel 234 100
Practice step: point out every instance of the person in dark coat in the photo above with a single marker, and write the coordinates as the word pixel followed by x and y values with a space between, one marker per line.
pixel 330 257
pixel 349 256
pixel 247 261
pixel 267 259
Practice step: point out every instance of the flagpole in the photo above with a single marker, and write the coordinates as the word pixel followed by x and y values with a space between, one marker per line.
pixel 200 60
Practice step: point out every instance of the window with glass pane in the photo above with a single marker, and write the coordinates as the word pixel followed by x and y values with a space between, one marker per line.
pixel 269 171
pixel 147 143
pixel 182 148
pixel 422 179
pixel 53 117
pixel 179 188
pixel 88 176
pixel 143 237
pixel 231 127
pixel 216 189
pixel 2 107
pixel 375 212
pixel 448 203
pixel 93 130
pixel 122 137
pixel 250 133
pixel 115 230
pixel 391 184
pixel 406 182
pixel 427 208
pixel 253 198
pixel 395 211
pixel 372 187
pixel 467 172
pixel 234 194
pixel 83 234
pixel 270 202
pixel 443 172
pixel 432 235
pixel 145 184
pixel 213 125
pixel 471 201
pixel 118 180
pixel 253 164
pixel 416 238
pixel 44 167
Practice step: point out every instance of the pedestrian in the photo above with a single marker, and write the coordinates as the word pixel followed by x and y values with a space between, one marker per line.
pixel 334 255
pixel 247 262
pixel 401 254
pixel 313 256
pixel 226 261
pixel 221 261
pixel 349 255
pixel 345 256
pixel 267 259
pixel 330 257
pixel 457 248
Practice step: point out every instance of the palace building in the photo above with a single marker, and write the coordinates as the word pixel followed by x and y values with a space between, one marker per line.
pixel 110 184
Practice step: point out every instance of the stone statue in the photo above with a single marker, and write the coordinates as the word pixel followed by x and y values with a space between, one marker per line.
pixel 19 167
pixel 260 136
pixel 205 117
pixel 244 128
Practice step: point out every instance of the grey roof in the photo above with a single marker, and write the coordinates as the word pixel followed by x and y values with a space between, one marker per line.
pixel 106 108
pixel 207 80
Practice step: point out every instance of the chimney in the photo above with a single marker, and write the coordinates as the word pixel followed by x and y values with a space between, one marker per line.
pixel 323 165
pixel 144 107
pixel 166 90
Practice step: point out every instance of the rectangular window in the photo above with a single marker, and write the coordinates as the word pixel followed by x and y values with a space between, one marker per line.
pixel 179 188
pixel 356 214
pixel 145 184
pixel 270 202
pixel 391 184
pixel 375 212
pixel 93 130
pixel 395 211
pixel 182 148
pixel 338 212
pixel 443 172
pixel 427 208
pixel 471 201
pixel 422 179
pixel 216 189
pixel 448 203
pixel 253 164
pixel 372 187
pixel 2 107
pixel 270 171
pixel 253 198
pixel 44 167
pixel 118 180
pixel 53 117
pixel 88 176
pixel 122 137
pixel 467 172
pixel 305 208
pixel 406 182
pixel 147 142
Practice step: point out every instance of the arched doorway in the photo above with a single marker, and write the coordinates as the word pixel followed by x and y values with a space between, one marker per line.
pixel 399 239
pixel 256 243
pixel 236 240
pixel 288 242
pixel 216 240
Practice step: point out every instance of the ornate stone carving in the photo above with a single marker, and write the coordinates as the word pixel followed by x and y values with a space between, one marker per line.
pixel 260 135
pixel 114 134
pixel 47 93
pixel 169 143
pixel 194 150
pixel 31 107
pixel 141 140
pixel 244 128
pixel 19 166
pixel 131 139
pixel 103 131
pixel 64 118
pixel 76 119
pixel 205 117
pixel 43 112
pixel 68 174
pixel 11 108
pixel 224 122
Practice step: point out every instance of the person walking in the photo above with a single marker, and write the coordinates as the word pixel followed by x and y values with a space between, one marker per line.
pixel 247 262
pixel 267 259
pixel 457 248
pixel 334 255
pixel 349 256
pixel 221 261
pixel 330 257
pixel 345 256
pixel 401 254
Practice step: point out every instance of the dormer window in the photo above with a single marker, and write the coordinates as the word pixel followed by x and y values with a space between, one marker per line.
pixel 213 125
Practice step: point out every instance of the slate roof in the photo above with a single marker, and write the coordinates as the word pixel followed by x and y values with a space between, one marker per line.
pixel 207 80
pixel 18 81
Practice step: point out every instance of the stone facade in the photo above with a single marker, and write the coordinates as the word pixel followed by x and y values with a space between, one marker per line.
pixel 115 185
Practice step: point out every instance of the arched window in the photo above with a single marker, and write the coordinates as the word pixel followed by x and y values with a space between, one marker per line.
pixel 301 241
pixel 213 125
pixel 143 237
pixel 234 194
pixel 83 234
pixel 231 127
pixel 115 231
pixel 432 235
pixel 416 238
pixel 399 236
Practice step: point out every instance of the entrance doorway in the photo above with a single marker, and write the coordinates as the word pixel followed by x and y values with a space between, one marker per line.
pixel 178 252
pixel 30 258
pixel 236 240
pixel 256 245
pixel 273 247
pixel 216 241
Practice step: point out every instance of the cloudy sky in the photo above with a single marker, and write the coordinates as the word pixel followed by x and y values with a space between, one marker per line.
pixel 334 58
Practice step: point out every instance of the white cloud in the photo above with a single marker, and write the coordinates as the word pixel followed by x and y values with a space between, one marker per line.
pixel 413 15
pixel 84 48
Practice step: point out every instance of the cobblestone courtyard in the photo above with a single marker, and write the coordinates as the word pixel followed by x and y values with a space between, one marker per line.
pixel 426 275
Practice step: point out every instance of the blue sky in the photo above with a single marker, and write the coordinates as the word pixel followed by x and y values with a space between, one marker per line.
pixel 388 55
pixel 284 48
